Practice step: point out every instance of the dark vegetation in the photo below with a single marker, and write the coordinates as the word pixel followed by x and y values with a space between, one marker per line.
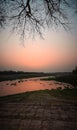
pixel 70 78
pixel 13 75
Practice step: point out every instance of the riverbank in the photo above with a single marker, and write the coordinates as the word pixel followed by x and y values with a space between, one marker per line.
pixel 66 93
pixel 71 79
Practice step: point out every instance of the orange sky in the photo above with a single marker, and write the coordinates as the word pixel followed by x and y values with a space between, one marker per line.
pixel 57 52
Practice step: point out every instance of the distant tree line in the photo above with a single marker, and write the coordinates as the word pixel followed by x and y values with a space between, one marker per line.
pixel 19 72
pixel 9 72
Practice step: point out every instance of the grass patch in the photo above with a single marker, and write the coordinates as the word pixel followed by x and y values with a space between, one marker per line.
pixel 64 93
pixel 48 78
pixel 70 94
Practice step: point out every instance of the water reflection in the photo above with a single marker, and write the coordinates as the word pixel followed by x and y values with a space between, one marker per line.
pixel 19 86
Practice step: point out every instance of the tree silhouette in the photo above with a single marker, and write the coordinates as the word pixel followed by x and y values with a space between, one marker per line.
pixel 31 16
pixel 2 14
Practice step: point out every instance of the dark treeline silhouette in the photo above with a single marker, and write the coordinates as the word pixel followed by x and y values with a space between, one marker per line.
pixel 19 72
pixel 37 73
pixel 13 75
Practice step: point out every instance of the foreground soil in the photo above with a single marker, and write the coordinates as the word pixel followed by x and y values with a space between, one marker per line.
pixel 38 111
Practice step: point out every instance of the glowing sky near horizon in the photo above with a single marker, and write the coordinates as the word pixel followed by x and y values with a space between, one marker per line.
pixel 56 52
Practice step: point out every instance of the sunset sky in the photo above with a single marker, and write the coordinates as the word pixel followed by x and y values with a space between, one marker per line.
pixel 56 52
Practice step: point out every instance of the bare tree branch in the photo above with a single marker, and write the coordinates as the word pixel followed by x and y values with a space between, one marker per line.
pixel 31 16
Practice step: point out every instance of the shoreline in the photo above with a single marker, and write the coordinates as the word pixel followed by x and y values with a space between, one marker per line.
pixel 71 79
pixel 66 93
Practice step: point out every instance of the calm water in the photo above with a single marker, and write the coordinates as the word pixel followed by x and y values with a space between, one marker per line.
pixel 24 85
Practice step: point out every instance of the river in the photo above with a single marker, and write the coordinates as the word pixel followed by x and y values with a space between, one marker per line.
pixel 24 85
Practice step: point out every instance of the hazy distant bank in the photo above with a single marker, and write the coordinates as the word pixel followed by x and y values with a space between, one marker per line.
pixel 13 75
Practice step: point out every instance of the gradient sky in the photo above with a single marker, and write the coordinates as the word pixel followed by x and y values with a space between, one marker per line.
pixel 56 52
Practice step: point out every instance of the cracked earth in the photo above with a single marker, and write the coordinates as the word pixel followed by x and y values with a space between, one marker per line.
pixel 41 112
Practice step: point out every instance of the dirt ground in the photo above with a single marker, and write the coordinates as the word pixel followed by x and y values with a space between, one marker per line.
pixel 38 112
